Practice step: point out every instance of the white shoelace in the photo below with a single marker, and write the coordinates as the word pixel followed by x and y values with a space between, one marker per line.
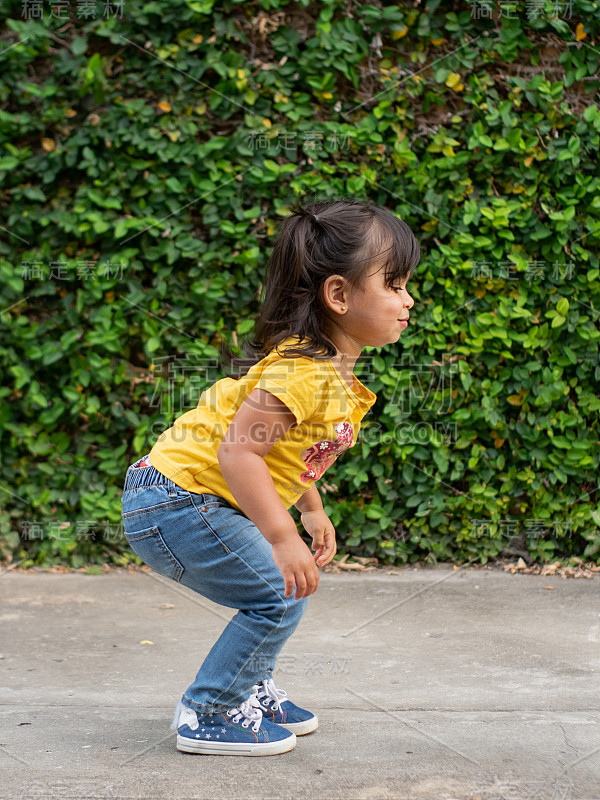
pixel 249 711
pixel 267 691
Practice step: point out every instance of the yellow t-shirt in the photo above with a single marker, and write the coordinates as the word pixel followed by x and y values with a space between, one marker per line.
pixel 328 413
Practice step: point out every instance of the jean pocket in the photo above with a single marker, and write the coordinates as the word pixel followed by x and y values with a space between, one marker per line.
pixel 150 546
pixel 150 499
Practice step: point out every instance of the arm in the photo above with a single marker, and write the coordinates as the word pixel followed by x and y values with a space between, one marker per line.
pixel 310 500
pixel 318 525
pixel 261 420
pixel 250 482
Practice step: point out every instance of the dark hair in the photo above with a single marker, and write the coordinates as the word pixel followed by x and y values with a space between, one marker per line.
pixel 316 240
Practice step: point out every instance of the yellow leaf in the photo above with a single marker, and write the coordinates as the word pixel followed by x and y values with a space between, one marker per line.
pixel 241 73
pixel 267 122
pixel 528 161
pixel 48 145
pixel 200 108
pixel 69 112
pixel 514 399
pixel 326 95
pixel 453 79
pixel 198 39
pixel 145 641
pixel 579 32
pixel 436 41
pixel 499 442
pixel 399 32
pixel 164 105
pixel 173 135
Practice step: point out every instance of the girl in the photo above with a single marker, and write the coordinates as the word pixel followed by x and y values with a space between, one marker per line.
pixel 208 506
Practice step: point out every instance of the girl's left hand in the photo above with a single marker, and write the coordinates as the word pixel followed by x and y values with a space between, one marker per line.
pixel 318 525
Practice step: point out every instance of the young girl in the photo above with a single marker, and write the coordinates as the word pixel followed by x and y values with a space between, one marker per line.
pixel 208 506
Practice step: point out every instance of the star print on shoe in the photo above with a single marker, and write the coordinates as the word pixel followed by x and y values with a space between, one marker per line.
pixel 281 711
pixel 240 731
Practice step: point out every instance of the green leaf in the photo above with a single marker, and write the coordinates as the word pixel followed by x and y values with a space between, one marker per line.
pixel 8 163
pixel 79 45
pixel 152 344
pixel 562 306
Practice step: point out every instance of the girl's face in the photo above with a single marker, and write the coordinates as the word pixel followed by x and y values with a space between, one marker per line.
pixel 377 315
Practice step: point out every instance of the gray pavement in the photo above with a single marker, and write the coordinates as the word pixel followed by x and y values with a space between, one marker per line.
pixel 432 684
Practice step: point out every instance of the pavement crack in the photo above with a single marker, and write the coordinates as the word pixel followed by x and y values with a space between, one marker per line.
pixel 567 741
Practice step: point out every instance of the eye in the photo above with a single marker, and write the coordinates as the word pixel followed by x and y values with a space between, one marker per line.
pixel 397 288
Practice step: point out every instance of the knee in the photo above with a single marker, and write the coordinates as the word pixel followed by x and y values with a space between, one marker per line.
pixel 284 611
pixel 292 610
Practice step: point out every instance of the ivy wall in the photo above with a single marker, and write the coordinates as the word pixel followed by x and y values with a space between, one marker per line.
pixel 149 151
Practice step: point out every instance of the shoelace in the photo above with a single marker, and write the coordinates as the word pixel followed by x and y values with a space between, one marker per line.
pixel 267 691
pixel 249 711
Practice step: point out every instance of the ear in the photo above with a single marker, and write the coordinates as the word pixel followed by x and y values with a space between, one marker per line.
pixel 336 293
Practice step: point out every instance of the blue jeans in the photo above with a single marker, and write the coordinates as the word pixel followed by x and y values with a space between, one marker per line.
pixel 208 545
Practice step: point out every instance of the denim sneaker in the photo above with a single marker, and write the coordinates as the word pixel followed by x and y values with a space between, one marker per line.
pixel 278 709
pixel 239 731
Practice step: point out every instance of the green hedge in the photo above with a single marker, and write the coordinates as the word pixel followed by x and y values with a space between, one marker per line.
pixel 148 156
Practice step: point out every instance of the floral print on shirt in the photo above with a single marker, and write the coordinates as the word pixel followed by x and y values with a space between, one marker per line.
pixel 321 455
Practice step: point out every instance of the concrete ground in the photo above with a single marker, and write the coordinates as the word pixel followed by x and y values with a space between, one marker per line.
pixel 432 684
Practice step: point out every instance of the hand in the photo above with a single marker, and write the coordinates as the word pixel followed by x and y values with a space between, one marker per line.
pixel 318 525
pixel 294 561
